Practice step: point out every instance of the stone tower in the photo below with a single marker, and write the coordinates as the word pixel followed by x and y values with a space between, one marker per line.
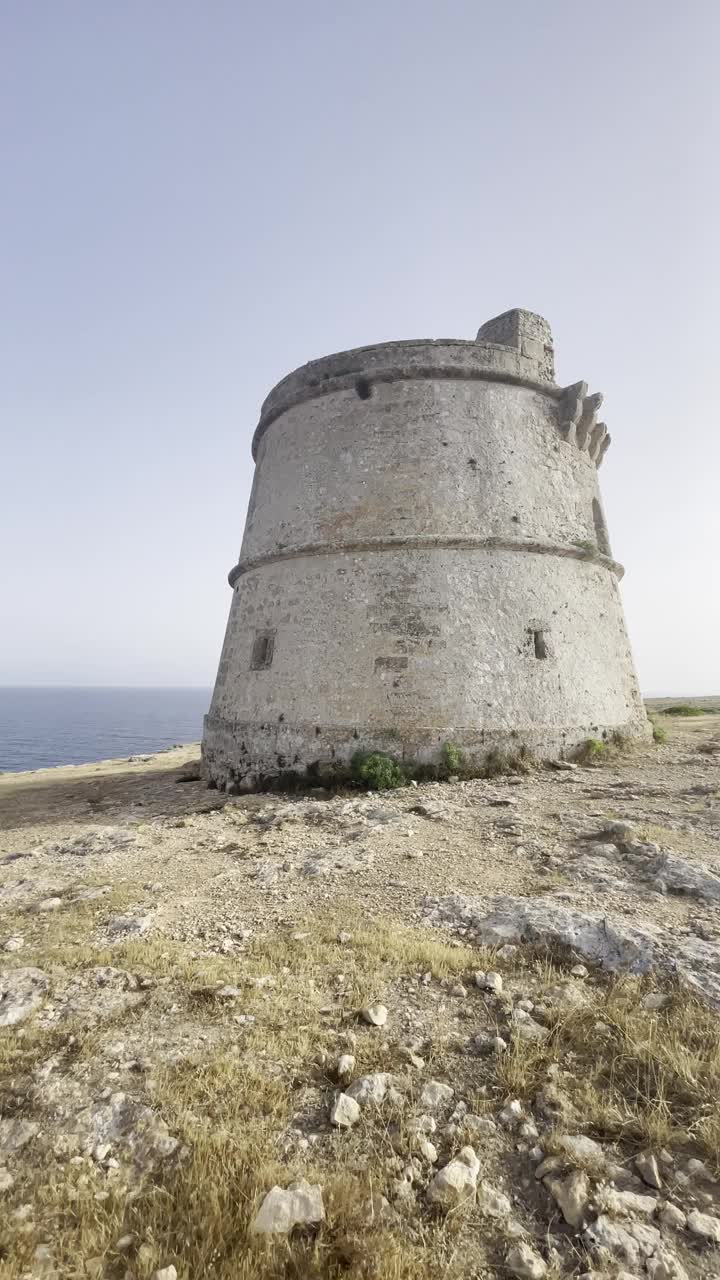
pixel 425 560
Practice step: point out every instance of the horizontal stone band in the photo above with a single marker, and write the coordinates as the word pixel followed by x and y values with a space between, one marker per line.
pixel 565 550
pixel 311 390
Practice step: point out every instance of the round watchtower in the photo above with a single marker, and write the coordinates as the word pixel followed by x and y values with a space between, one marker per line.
pixel 425 560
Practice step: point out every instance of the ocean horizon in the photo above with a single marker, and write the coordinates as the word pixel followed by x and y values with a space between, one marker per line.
pixel 46 725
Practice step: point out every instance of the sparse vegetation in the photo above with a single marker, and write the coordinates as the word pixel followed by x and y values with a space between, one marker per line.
pixel 378 771
pixel 659 734
pixel 685 709
pixel 592 751
pixel 452 756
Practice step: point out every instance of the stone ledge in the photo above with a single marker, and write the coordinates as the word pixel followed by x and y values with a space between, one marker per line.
pixel 428 360
pixel 564 550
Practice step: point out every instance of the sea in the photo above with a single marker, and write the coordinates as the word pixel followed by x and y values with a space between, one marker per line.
pixel 43 726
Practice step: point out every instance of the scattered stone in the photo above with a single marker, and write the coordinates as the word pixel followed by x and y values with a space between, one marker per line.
pixel 526 1028
pixel 671 1216
pixel 492 982
pixel 630 1243
pixel 647 1166
pixel 22 991
pixel 581 1148
pixel 525 1262
pixel 491 1202
pixel 703 1224
pixel 698 1169
pixel 572 1196
pixel 300 1205
pixel 127 926
pixel 165 1273
pixel 345 1111
pixel 375 1014
pixel 665 1266
pixel 16 1133
pixel 656 1000
pixel 436 1094
pixel 372 1088
pixel 7 1182
pixel 457 1181
pixel 49 904
pixel 14 943
pixel 346 1065
pixel 485 1042
pixel 625 1203
pixel 579 971
pixel 512 1114
pixel 343 938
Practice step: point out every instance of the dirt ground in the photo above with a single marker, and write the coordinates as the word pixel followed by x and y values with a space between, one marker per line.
pixel 184 973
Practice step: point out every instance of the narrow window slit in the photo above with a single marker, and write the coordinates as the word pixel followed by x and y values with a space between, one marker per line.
pixel 539 644
pixel 262 650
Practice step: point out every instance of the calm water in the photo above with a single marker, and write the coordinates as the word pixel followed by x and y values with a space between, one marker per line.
pixel 41 727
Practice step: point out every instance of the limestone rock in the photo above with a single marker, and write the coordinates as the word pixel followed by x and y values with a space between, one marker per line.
pixel 21 993
pixel 281 1210
pixel 491 1202
pixel 16 1133
pixel 7 1182
pixel 492 982
pixel 477 1125
pixel 664 1265
pixel 375 1014
pixel 165 1273
pixel 346 1065
pixel 630 1243
pixel 512 1115
pixel 581 1148
pixel 123 1121
pixel 345 1111
pixel 457 1181
pixel 705 1225
pixel 371 1088
pixel 648 1168
pixel 626 1203
pixel 525 1262
pixel 572 1195
pixel 436 1094
pixel 671 1216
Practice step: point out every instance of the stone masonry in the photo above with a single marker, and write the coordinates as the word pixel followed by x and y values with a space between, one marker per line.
pixel 425 560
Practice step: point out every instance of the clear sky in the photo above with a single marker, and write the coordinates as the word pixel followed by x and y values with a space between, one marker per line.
pixel 198 197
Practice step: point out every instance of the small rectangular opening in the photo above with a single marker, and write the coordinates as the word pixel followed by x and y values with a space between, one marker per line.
pixel 262 650
pixel 539 644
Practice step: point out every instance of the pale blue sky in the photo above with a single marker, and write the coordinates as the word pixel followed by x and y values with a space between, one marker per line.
pixel 198 197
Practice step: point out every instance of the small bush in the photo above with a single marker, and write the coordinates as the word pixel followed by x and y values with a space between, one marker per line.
pixel 377 771
pixel 592 749
pixel 659 734
pixel 684 709
pixel 452 756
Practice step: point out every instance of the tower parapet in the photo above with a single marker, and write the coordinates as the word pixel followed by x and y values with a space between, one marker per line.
pixel 526 333
pixel 425 559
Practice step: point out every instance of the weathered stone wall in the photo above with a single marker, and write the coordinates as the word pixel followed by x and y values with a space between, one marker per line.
pixel 421 563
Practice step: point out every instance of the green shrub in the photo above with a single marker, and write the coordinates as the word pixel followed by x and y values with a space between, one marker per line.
pixel 659 734
pixel 592 749
pixel 452 756
pixel 683 709
pixel 377 771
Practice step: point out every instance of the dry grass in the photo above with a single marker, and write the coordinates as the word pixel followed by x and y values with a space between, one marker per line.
pixel 635 1077
pixel 638 1077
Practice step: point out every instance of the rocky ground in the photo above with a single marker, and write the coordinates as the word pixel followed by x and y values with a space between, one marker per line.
pixel 466 1029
